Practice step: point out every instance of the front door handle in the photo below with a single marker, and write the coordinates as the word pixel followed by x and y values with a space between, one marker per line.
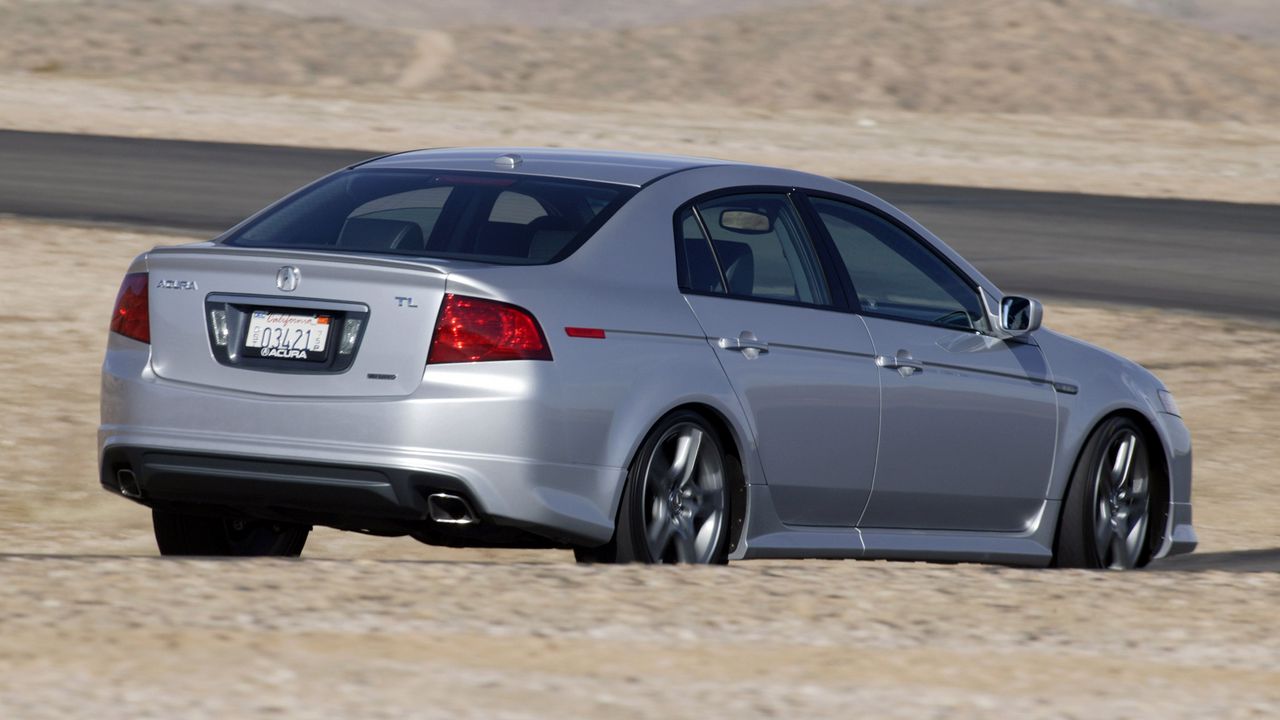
pixel 746 343
pixel 902 362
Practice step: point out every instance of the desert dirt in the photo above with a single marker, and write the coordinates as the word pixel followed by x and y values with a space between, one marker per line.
pixel 1072 95
pixel 1078 95
pixel 96 625
pixel 1064 58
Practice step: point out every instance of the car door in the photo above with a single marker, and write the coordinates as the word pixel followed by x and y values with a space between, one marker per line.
pixel 969 421
pixel 802 370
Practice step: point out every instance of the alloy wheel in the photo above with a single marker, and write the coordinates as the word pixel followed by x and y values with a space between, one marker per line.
pixel 684 496
pixel 1122 501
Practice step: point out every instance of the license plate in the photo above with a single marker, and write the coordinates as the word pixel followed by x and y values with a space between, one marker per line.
pixel 287 336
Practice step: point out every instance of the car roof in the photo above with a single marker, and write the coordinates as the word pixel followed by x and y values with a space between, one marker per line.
pixel 623 168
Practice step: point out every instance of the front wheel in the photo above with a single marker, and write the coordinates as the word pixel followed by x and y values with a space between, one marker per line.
pixel 1107 515
pixel 674 506
pixel 183 534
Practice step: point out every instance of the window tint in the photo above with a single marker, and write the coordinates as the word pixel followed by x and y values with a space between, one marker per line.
pixel 896 275
pixel 510 219
pixel 420 207
pixel 513 207
pixel 697 266
pixel 762 250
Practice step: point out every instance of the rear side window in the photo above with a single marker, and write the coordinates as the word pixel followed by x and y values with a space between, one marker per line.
pixel 750 245
pixel 697 264
pixel 486 217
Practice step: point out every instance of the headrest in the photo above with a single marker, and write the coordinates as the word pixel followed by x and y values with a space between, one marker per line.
pixel 739 265
pixel 551 233
pixel 380 234
pixel 551 222
pixel 700 265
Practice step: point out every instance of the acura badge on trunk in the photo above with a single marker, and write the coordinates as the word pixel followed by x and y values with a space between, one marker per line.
pixel 288 277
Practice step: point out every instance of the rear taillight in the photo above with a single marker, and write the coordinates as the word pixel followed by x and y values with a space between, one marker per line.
pixel 131 317
pixel 477 330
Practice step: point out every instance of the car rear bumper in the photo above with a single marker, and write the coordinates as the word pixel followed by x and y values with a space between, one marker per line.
pixel 564 504
pixel 356 462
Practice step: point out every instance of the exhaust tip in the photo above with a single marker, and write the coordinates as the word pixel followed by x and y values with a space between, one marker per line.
pixel 128 483
pixel 450 509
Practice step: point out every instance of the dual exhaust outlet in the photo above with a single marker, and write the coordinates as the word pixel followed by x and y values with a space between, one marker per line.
pixel 450 509
pixel 445 508
pixel 128 482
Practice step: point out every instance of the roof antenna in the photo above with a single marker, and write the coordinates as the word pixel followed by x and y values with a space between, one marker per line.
pixel 509 161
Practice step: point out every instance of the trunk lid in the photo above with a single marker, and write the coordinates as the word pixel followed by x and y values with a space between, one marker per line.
pixel 394 301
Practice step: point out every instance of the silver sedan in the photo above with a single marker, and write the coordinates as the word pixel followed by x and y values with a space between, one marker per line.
pixel 643 358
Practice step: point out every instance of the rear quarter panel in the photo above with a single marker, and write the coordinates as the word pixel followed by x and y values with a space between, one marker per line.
pixel 603 395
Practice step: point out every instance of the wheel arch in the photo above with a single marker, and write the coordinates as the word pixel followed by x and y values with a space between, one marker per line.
pixel 734 446
pixel 737 479
pixel 1160 490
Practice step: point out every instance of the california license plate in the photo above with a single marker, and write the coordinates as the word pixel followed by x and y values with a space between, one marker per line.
pixel 287 336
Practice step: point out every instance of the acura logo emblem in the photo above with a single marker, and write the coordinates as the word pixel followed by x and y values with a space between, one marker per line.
pixel 288 277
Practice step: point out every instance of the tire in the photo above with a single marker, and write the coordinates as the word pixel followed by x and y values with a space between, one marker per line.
pixel 183 534
pixel 674 508
pixel 1106 519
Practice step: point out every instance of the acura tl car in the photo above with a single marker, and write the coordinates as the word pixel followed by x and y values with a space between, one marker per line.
pixel 642 358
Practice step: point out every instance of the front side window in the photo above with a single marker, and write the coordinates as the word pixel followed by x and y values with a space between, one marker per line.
pixel 507 219
pixel 894 274
pixel 758 249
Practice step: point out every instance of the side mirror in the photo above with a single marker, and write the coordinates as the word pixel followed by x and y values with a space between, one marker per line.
pixel 1020 316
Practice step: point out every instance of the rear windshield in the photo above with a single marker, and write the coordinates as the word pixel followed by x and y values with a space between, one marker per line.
pixel 487 217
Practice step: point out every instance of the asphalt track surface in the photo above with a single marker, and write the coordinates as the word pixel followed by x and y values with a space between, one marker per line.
pixel 1210 256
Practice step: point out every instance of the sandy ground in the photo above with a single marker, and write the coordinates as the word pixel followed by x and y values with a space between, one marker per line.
pixel 1256 19
pixel 96 626
pixel 1228 161
pixel 1079 95
pixel 1067 57
pixel 134 638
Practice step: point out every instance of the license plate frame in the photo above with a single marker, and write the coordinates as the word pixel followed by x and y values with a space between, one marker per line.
pixel 289 335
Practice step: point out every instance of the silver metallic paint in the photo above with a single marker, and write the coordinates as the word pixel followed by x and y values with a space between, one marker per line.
pixel 989 476
pixel 547 444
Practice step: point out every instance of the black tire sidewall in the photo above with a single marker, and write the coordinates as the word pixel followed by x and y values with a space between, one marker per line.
pixel 629 537
pixel 180 533
pixel 1074 546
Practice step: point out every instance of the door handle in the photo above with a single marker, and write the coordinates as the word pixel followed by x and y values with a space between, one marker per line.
pixel 902 362
pixel 746 343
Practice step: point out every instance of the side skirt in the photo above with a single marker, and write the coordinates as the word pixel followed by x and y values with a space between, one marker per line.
pixel 767 537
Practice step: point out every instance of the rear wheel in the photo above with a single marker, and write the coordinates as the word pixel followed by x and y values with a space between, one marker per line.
pixel 183 534
pixel 674 506
pixel 1106 521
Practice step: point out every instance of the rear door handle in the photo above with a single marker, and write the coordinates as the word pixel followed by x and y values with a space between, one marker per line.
pixel 902 362
pixel 746 343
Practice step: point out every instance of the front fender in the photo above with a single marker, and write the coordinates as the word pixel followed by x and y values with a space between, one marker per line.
pixel 1093 384
pixel 1106 384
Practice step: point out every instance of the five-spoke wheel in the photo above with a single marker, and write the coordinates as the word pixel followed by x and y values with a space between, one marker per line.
pixel 1106 518
pixel 1122 499
pixel 675 504
pixel 684 496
